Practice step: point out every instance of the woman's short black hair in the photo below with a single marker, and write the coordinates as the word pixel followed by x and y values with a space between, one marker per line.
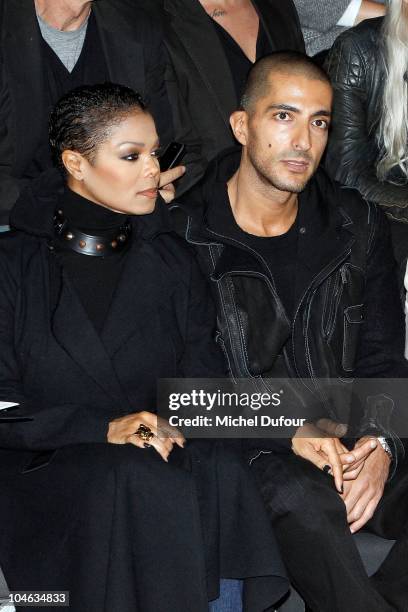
pixel 82 119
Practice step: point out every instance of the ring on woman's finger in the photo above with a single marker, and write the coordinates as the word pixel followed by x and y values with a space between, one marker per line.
pixel 144 433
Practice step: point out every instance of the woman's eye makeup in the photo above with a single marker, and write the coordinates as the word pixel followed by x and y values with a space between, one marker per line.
pixel 131 156
pixel 134 155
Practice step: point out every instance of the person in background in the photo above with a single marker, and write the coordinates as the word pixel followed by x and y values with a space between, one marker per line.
pixel 368 145
pixel 211 47
pixel 47 47
pixel 323 21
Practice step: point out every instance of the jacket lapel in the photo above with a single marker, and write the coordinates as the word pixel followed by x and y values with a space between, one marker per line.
pixel 22 39
pixel 123 53
pixel 191 23
pixel 142 289
pixel 325 238
pixel 78 337
pixel 278 19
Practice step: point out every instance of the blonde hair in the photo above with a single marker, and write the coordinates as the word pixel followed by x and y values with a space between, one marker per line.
pixel 393 130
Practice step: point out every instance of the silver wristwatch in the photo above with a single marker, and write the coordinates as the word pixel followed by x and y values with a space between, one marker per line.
pixel 385 446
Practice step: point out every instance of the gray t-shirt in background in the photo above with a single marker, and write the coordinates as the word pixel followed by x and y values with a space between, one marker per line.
pixel 67 45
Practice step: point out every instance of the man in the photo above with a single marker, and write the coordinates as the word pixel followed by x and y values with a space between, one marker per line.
pixel 47 47
pixel 304 279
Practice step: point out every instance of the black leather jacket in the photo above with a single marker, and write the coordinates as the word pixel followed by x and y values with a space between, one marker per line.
pixel 356 66
pixel 346 280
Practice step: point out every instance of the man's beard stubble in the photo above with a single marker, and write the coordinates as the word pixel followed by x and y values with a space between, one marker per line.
pixel 270 178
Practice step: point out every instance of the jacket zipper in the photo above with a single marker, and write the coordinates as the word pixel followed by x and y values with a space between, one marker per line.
pixel 318 279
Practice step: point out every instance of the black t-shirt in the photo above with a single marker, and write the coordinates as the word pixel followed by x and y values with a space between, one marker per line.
pixel 279 252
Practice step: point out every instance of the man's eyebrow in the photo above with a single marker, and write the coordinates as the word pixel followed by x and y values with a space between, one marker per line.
pixel 293 109
pixel 285 107
pixel 323 111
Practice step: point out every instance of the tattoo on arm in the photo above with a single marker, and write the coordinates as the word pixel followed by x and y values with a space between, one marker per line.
pixel 218 13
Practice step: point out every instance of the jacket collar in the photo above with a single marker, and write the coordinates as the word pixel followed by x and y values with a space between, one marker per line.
pixel 33 212
pixel 323 221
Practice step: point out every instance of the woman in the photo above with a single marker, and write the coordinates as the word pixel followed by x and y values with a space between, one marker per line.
pixel 99 299
pixel 211 47
pixel 368 146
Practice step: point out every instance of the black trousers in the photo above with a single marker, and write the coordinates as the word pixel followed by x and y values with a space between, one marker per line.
pixel 321 557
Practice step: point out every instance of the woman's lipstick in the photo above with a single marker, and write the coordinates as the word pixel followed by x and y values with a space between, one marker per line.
pixel 149 193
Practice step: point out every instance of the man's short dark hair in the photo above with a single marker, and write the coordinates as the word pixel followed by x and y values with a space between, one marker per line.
pixel 83 118
pixel 286 62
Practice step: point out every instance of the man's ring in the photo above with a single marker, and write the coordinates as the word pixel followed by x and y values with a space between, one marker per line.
pixel 144 433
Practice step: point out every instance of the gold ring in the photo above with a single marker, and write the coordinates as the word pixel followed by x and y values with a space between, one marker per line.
pixel 144 432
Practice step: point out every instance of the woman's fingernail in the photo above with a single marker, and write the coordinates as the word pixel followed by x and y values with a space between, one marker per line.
pixel 373 443
pixel 326 469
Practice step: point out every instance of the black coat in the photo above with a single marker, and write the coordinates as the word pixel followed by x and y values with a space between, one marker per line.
pixel 115 525
pixel 132 44
pixel 199 72
pixel 357 68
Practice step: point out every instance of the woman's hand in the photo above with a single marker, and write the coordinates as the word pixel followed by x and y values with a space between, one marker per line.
pixel 123 431
pixel 167 178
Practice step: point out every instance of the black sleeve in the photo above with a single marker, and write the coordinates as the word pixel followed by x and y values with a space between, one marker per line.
pixel 351 153
pixel 380 358
pixel 381 344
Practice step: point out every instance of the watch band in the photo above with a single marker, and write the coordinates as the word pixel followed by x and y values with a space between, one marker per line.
pixel 385 446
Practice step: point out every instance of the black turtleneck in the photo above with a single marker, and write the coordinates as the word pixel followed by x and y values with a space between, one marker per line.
pixel 94 278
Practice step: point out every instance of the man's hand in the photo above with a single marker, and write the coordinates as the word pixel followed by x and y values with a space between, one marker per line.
pixel 167 178
pixel 362 449
pixel 329 454
pixel 123 431
pixel 362 495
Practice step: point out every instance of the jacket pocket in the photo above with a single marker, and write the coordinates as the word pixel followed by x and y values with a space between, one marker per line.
pixel 353 317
